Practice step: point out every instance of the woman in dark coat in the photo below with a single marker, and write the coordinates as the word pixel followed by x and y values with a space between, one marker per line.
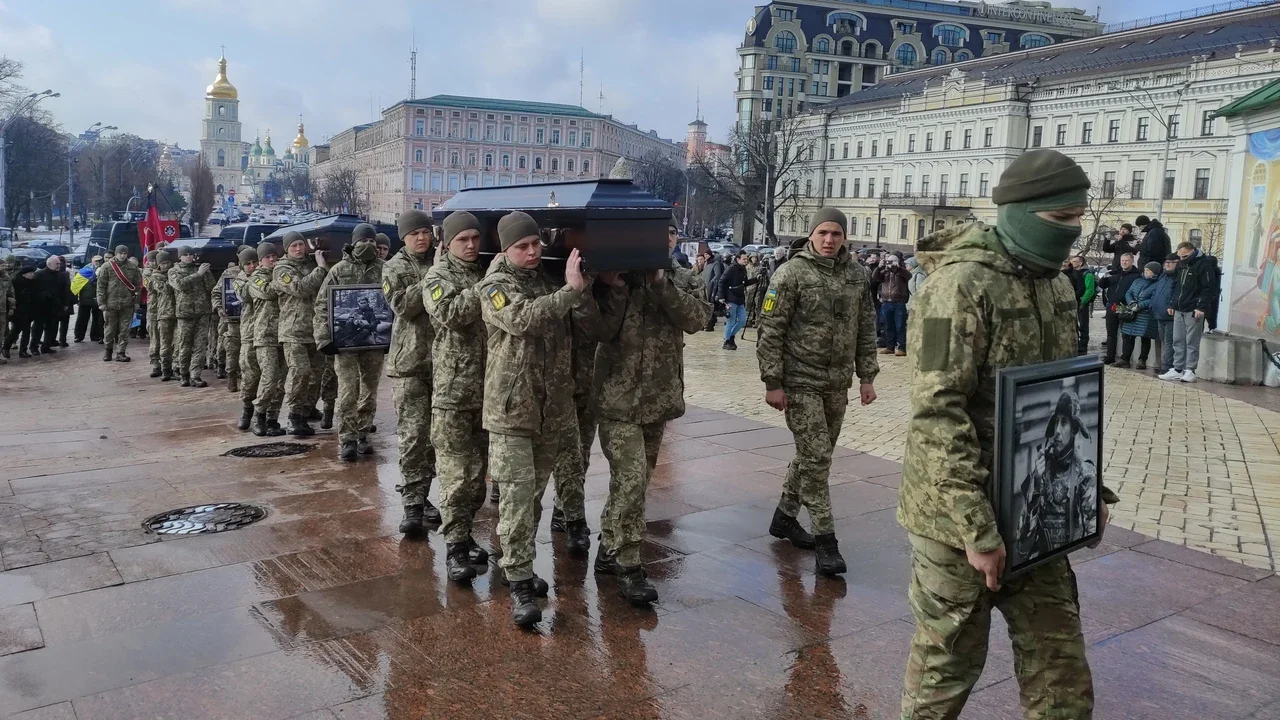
pixel 1142 292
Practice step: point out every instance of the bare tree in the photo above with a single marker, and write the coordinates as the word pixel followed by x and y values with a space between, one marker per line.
pixel 1101 213
pixel 114 169
pixel 659 175
pixel 10 71
pixel 341 192
pixel 201 192
pixel 763 174
pixel 300 186
pixel 37 167
pixel 1213 238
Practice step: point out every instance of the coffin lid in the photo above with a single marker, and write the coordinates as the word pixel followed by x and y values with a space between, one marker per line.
pixel 547 202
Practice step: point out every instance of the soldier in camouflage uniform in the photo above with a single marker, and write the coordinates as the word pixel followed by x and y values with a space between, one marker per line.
pixel 457 430
pixel 228 331
pixel 248 361
pixel 409 365
pixel 153 340
pixel 817 330
pixel 297 279
pixel 384 246
pixel 161 311
pixel 995 299
pixel 266 344
pixel 640 368
pixel 569 513
pixel 357 372
pixel 8 301
pixel 191 305
pixel 528 390
pixel 119 283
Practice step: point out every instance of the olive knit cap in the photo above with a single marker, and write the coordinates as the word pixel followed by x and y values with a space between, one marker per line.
pixel 1040 174
pixel 266 250
pixel 247 255
pixel 1154 267
pixel 411 220
pixel 514 227
pixel 164 256
pixel 293 237
pixel 829 214
pixel 459 222
pixel 122 249
pixel 363 231
pixel 186 250
pixel 382 240
pixel 151 256
pixel 674 222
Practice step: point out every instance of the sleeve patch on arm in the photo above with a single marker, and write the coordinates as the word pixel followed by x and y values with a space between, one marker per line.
pixel 497 298
pixel 437 291
pixel 386 287
pixel 770 300
pixel 285 278
pixel 935 346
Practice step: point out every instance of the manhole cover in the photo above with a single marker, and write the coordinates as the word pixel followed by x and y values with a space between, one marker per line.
pixel 204 519
pixel 269 450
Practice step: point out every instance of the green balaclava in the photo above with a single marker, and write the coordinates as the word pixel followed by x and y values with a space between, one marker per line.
pixel 365 251
pixel 1039 181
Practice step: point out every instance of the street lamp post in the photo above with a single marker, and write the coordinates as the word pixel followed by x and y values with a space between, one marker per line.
pixel 24 104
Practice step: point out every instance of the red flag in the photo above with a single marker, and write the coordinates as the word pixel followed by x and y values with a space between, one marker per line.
pixel 152 230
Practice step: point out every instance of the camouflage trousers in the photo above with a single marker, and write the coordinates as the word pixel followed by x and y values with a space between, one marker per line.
pixel 270 379
pixel 213 339
pixel 462 459
pixel 191 339
pixel 115 329
pixel 358 375
pixel 952 609
pixel 162 335
pixel 521 466
pixel 230 350
pixel 302 382
pixel 814 419
pixel 632 452
pixel 329 382
pixel 412 398
pixel 576 437
pixel 153 340
pixel 250 373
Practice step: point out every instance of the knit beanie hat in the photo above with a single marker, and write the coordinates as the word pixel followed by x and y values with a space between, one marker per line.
pixel 164 256
pixel 266 249
pixel 829 214
pixel 674 223
pixel 1153 267
pixel 1039 174
pixel 186 250
pixel 382 240
pixel 1039 181
pixel 293 237
pixel 121 249
pixel 458 222
pixel 151 256
pixel 514 227
pixel 363 231
pixel 247 255
pixel 411 220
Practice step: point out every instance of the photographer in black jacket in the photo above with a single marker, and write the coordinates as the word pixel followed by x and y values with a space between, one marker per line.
pixel 1116 285
pixel 1156 245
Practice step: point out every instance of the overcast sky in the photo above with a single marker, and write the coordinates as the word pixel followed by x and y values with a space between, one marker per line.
pixel 143 65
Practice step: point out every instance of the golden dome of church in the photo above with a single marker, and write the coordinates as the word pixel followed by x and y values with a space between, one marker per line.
pixel 300 142
pixel 222 87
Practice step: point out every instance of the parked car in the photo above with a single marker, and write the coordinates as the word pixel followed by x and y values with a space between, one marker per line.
pixel 757 249
pixel 723 248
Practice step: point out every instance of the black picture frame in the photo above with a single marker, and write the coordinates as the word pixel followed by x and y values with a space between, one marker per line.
pixel 348 336
pixel 1042 517
pixel 230 301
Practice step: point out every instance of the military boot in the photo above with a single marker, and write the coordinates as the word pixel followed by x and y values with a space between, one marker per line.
pixel 540 586
pixel 494 495
pixel 827 550
pixel 234 385
pixel 222 371
pixel 524 611
pixel 786 527
pixel 120 357
pixel 198 383
pixel 246 417
pixel 298 426
pixel 166 374
pixel 314 414
pixel 412 522
pixel 347 451
pixel 186 379
pixel 363 446
pixel 557 520
pixel 273 424
pixel 458 564
pixel 326 419
pixel 579 540
pixel 106 357
pixel 476 554
pixel 606 562
pixel 429 512
pixel 156 371
pixel 634 587
pixel 260 424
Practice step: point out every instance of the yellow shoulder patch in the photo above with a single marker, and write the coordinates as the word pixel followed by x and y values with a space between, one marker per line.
pixel 437 291
pixel 285 278
pixel 260 281
pixel 770 300
pixel 386 287
pixel 497 298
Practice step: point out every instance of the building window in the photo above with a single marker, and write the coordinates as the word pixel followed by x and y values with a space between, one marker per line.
pixel 524 136
pixel 823 45
pixel 871 187
pixel 831 184
pixel 902 229
pixel 766 105
pixel 950 35
pixel 906 185
pixel 1202 184
pixel 435 157
pixel 471 159
pixel 1034 40
pixel 911 143
pixel 842 186
pixel 768 82
pixel 437 128
pixel 437 182
pixel 964 184
pixel 1086 133
pixel 419 182
pixel 859 149
pixel 1061 139
pixel 586 166
pixel 946 140
pixel 555 136
pixel 1113 131
pixel 1195 236
pixel 522 163
pixel 993 37
pixel 453 183
pixel 944 183
pixel 417 156
pixel 884 227
pixel 1144 127
pixel 866 227
pixel 222 158
pixel 795 67
pixel 785 41
pixel 831 152
pixel 984 184
pixel 555 165
pixel 928 142
pixel 506 133
pixel 488 161
pixel 1135 187
pixel 569 164
pixel 857 187
pixel 875 146
pixel 808 188
pixel 573 138
pixel 962 55
pixel 968 139
pixel 1108 184
pixel 1173 127
pixel 905 28
pixel 586 138
pixel 906 55
pixel 920 228
pixel 419 126
pixel 844 152
pixel 537 164
pixel 472 129
pixel 924 185
pixel 1169 178
pixel 987 134
pixel 1037 134
pixel 453 159
pixel 506 161
pixel 771 63
pixel 1206 124
pixel 785 15
pixel 539 136
pixel 939 57
pixel 489 132
pixel 888 147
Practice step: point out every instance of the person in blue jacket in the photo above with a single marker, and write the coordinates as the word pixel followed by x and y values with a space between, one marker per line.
pixel 1162 311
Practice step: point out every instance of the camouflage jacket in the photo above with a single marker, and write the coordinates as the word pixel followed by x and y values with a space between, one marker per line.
pixel 528 386
pixel 979 312
pixel 817 324
pixel 296 283
pixel 247 307
pixel 113 294
pixel 190 290
pixel 161 301
pixel 640 364
pixel 215 296
pixel 7 299
pixel 450 297
pixel 348 271
pixel 266 307
pixel 411 335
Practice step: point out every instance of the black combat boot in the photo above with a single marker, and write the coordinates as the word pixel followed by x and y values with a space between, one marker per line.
pixel 22 353
pixel 246 417
pixel 48 350
pixel 107 356
pixel 412 522
pixel 558 524
pixel 314 414
pixel 786 527
pixel 260 424
pixel 494 495
pixel 827 550
pixel 347 451
pixel 273 424
pixel 326 419
pixel 579 540
pixel 222 371
pixel 458 564
pixel 430 513
pixel 634 587
pixel 234 385
pixel 166 374
pixel 373 429
pixel 476 554
pixel 540 586
pixel 186 379
pixel 524 611
pixel 121 357
pixel 198 383
pixel 156 371
pixel 298 426
pixel 606 562
pixel 363 446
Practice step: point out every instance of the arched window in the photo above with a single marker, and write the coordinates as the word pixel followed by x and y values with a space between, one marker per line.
pixel 506 161
pixel 823 45
pixel 488 160
pixel 222 158
pixel 950 35
pixel 1034 40
pixel 902 229
pixel 522 163
pixel 866 227
pixel 906 55
pixel 555 165
pixel 920 228
pixel 872 49
pixel 847 48
pixel 222 111
pixel 785 41
pixel 453 158
pixel 219 189
pixel 962 55
pixel 586 166
pixel 417 156
pixel 846 22
pixel 939 57
pixel 537 164
pixel 1195 237
pixel 569 165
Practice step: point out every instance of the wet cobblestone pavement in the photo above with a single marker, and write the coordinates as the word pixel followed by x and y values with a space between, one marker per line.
pixel 321 611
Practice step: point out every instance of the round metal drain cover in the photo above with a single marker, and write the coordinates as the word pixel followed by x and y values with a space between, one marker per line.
pixel 202 519
pixel 269 450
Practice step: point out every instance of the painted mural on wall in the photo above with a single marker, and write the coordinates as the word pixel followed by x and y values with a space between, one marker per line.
pixel 1255 289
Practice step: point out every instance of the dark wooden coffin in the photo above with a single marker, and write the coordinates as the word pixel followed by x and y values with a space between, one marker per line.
pixel 332 233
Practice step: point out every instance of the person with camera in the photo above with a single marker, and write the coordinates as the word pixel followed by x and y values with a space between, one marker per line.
pixel 1137 318
pixel 1116 285
pixel 890 281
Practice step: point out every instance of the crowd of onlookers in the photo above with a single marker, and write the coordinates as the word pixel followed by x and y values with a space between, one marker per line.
pixel 37 303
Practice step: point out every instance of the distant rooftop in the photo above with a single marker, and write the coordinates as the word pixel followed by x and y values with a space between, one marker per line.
pixel 511 106
pixel 1186 14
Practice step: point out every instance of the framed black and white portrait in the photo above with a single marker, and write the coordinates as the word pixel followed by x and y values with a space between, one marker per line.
pixel 360 318
pixel 1046 488
pixel 230 301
